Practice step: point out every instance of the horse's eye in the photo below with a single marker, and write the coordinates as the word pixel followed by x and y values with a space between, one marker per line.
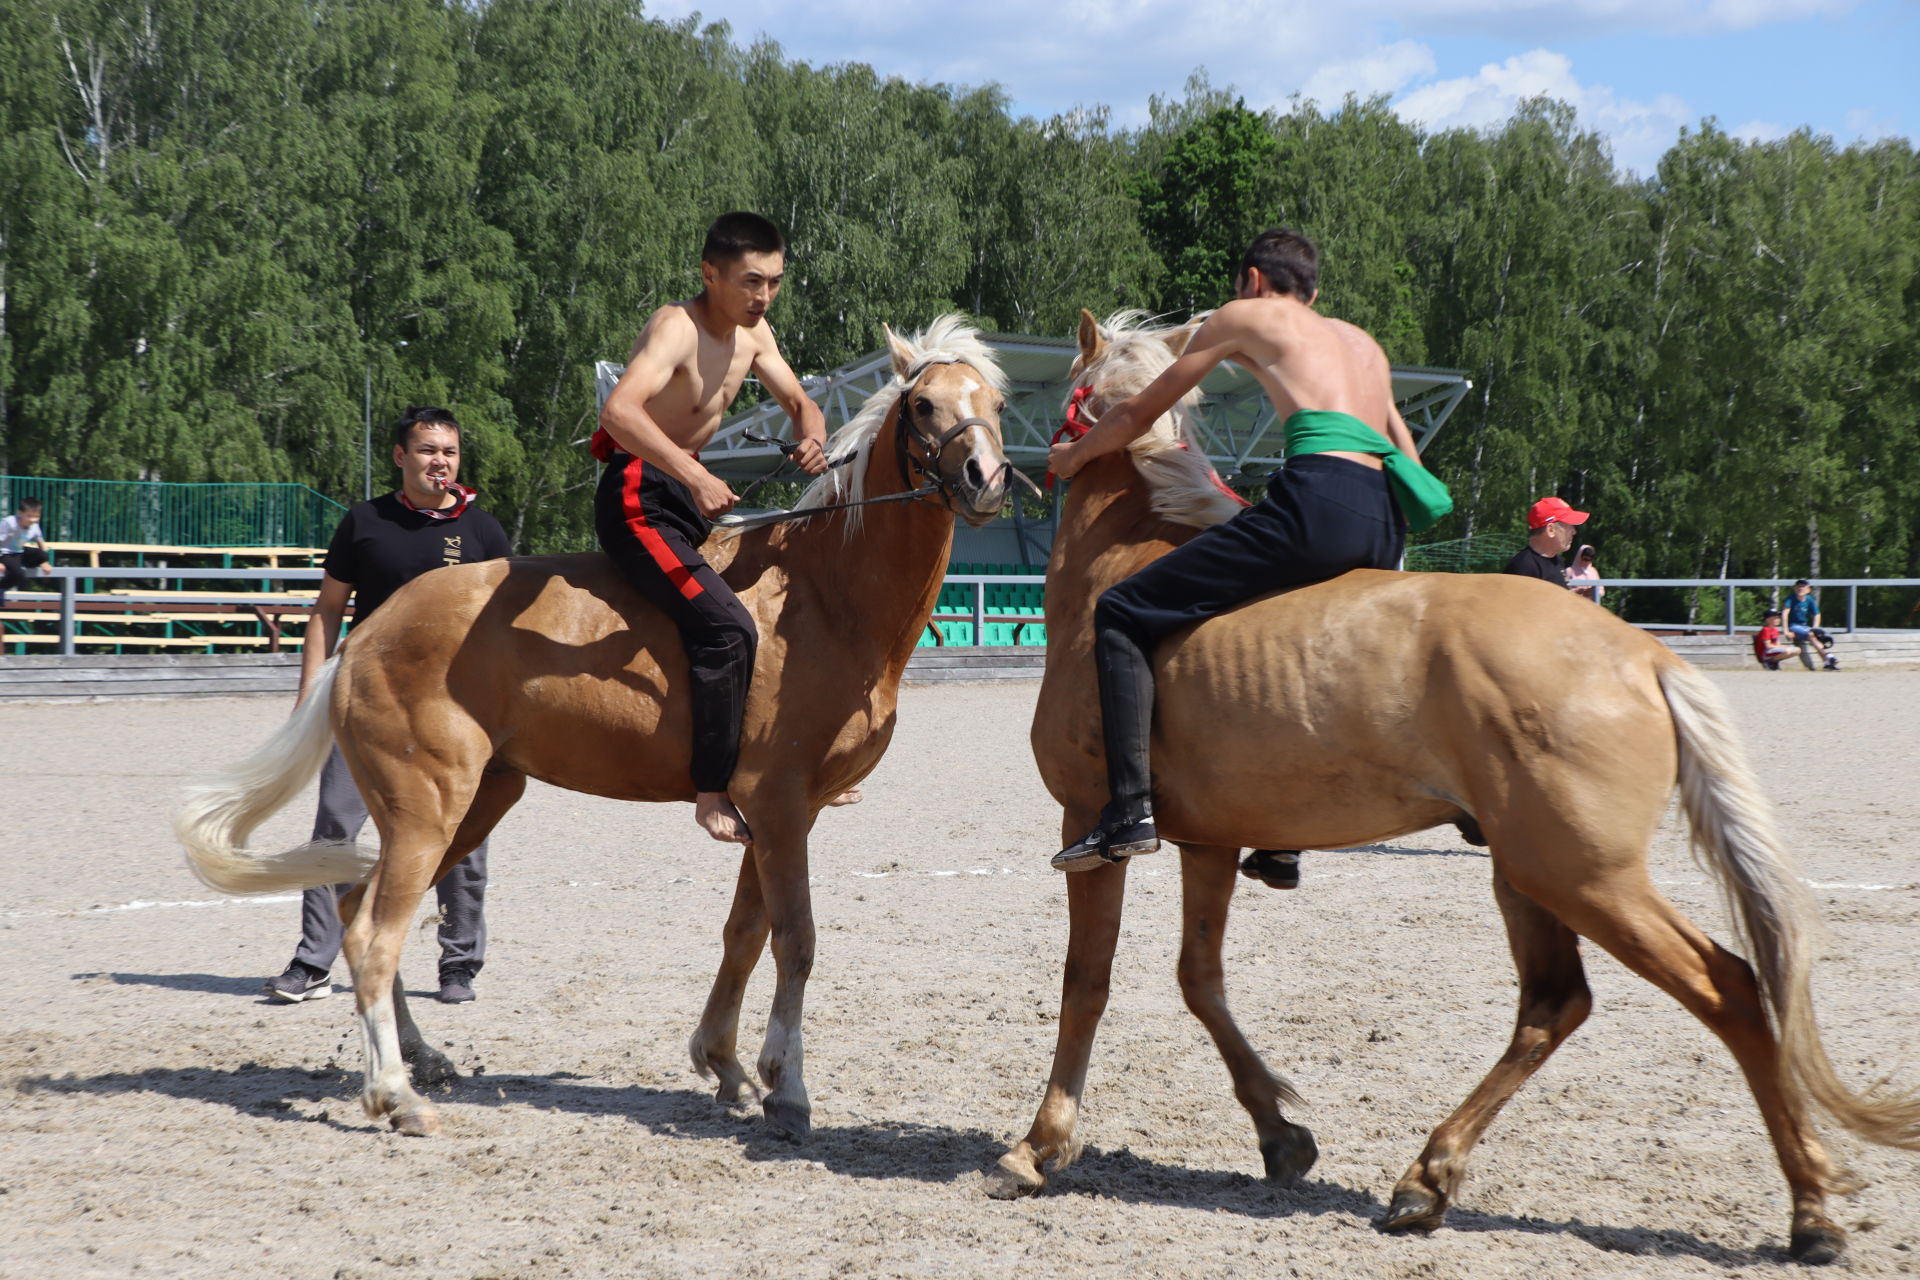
pixel 923 405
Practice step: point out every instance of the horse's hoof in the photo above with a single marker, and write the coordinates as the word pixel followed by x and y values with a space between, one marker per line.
pixel 422 1121
pixel 791 1119
pixel 1275 868
pixel 735 1094
pixel 1289 1155
pixel 1413 1209
pixel 1817 1245
pixel 431 1070
pixel 1010 1179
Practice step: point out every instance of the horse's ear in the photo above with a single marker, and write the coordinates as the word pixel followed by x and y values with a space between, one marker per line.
pixel 1092 342
pixel 1177 339
pixel 901 352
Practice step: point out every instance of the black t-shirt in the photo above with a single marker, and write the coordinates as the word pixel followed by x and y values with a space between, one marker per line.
pixel 384 544
pixel 1529 563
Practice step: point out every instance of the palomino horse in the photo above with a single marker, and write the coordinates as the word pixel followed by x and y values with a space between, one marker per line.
pixel 1379 704
pixel 474 678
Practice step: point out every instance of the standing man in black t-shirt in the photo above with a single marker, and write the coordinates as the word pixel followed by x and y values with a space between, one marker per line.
pixel 1552 522
pixel 380 546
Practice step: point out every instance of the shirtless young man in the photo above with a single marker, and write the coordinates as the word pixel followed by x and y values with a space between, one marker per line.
pixel 655 502
pixel 1352 484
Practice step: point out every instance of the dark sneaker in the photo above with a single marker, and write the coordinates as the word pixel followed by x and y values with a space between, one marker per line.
pixel 1833 664
pixel 456 985
pixel 1771 664
pixel 1275 868
pixel 1105 844
pixel 300 982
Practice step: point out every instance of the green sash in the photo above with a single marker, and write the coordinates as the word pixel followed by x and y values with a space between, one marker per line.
pixel 1423 499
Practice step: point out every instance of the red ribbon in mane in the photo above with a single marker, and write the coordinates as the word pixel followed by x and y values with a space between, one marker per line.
pixel 1076 426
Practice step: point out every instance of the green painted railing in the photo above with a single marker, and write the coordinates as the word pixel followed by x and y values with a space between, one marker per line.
pixel 1464 555
pixel 180 515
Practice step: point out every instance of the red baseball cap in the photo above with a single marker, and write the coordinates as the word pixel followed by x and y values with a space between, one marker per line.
pixel 1549 510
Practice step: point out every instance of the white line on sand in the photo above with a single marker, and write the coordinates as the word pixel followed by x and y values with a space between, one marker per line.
pixel 146 906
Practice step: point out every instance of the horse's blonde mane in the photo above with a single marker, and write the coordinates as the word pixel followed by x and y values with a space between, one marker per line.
pixel 948 340
pixel 1181 483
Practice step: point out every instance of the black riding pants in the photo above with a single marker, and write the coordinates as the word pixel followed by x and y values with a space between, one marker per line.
pixel 648 524
pixel 1321 517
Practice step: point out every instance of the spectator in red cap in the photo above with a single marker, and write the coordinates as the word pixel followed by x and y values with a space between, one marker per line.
pixel 1552 522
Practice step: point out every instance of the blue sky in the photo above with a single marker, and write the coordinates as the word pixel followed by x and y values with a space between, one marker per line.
pixel 1636 70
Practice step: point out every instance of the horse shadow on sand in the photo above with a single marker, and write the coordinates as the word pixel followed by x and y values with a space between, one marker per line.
pixel 875 1149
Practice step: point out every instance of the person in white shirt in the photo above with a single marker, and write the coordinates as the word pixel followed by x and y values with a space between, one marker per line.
pixel 1583 569
pixel 22 547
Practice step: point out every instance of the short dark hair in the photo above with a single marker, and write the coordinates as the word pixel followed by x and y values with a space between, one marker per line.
pixel 1771 613
pixel 1802 583
pixel 1287 259
pixel 734 234
pixel 28 504
pixel 422 414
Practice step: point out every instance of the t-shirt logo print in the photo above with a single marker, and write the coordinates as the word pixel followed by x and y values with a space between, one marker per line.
pixel 450 550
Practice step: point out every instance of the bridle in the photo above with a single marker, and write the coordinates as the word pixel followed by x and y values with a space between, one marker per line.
pixel 937 488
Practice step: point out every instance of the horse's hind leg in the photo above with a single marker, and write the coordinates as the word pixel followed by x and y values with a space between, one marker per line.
pixel 1094 901
pixel 416 812
pixel 1554 1000
pixel 715 1043
pixel 499 791
pixel 1647 934
pixel 1206 894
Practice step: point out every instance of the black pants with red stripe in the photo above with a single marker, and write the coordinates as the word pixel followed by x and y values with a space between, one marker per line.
pixel 648 524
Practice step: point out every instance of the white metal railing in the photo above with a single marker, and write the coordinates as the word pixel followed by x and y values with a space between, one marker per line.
pixel 1728 586
pixel 70 596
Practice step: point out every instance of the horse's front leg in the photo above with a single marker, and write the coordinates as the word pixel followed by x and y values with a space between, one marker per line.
pixel 715 1043
pixel 779 854
pixel 430 1067
pixel 1207 877
pixel 1094 901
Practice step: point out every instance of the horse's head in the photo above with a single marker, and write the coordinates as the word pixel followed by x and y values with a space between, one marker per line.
pixel 1116 360
pixel 1123 355
pixel 948 430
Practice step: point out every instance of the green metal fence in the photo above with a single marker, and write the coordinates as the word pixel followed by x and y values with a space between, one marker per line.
pixel 178 515
pixel 1464 555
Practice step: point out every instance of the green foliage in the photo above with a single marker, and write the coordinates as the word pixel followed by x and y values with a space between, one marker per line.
pixel 219 218
pixel 1210 194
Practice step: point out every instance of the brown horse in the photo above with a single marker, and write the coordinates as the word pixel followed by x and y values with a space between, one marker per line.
pixel 473 679
pixel 1380 704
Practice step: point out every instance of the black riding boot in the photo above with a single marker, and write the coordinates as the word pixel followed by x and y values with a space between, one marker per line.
pixel 1126 726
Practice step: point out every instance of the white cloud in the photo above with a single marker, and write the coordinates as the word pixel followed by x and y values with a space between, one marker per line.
pixel 1122 52
pixel 1759 131
pixel 1871 125
pixel 1388 69
pixel 1639 131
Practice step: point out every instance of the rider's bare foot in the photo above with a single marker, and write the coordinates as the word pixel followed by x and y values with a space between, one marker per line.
pixel 852 795
pixel 712 810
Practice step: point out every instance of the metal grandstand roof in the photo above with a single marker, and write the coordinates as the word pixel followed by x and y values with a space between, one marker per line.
pixel 1238 426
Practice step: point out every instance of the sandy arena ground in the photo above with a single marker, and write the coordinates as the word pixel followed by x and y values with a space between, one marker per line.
pixel 159 1117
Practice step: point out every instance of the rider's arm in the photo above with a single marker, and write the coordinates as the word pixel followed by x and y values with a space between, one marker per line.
pixel 668 341
pixel 1397 433
pixel 1123 423
pixel 809 424
pixel 323 630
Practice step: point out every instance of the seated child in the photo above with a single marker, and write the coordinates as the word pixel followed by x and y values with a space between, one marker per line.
pixel 1766 642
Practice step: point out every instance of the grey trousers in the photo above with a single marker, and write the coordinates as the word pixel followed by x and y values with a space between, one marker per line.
pixel 463 927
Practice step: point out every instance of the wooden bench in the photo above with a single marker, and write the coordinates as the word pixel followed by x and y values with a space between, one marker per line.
pixel 297 557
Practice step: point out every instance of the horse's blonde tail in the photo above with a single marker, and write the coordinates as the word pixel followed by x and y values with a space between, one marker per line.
pixel 219 815
pixel 1735 838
